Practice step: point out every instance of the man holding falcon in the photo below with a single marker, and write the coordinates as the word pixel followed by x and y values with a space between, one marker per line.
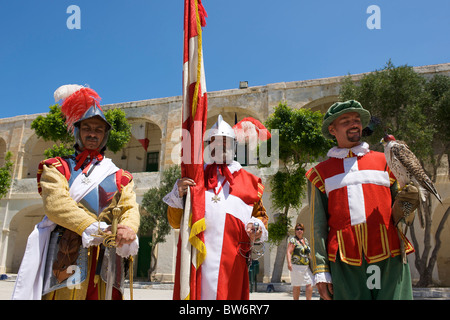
pixel 357 250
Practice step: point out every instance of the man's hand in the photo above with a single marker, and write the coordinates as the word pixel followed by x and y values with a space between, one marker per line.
pixel 325 290
pixel 124 235
pixel 253 233
pixel 183 184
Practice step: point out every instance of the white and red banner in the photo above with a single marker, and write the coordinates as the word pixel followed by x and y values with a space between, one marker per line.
pixel 139 131
pixel 192 250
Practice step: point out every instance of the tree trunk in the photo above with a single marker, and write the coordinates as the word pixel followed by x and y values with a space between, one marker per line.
pixel 281 254
pixel 153 262
pixel 425 262
pixel 279 261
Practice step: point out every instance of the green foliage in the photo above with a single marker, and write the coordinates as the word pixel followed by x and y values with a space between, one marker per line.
pixel 279 229
pixel 436 107
pixel 300 142
pixel 5 175
pixel 52 127
pixel 156 219
pixel 120 133
pixel 60 150
pixel 409 106
pixel 288 188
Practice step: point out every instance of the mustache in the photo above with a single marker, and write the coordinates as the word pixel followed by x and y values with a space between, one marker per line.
pixel 353 129
pixel 93 139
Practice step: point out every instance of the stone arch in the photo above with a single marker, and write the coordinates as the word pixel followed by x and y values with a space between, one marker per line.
pixel 20 227
pixel 140 152
pixel 33 154
pixel 228 114
pixel 231 115
pixel 321 104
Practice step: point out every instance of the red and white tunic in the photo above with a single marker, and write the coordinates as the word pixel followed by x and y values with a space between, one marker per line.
pixel 224 270
pixel 359 207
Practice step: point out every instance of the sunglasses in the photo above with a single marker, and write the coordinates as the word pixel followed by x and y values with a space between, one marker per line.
pixel 298 229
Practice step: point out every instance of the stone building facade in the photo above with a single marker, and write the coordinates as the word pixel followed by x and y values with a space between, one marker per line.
pixel 158 121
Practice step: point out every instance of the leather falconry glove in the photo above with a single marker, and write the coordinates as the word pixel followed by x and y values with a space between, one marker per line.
pixel 406 202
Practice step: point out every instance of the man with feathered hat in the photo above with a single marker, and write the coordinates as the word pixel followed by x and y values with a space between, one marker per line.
pixel 233 205
pixel 357 251
pixel 65 258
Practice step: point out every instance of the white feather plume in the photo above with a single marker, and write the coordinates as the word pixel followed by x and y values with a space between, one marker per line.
pixel 63 92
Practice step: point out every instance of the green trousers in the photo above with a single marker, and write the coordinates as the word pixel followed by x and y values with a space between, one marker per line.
pixel 388 279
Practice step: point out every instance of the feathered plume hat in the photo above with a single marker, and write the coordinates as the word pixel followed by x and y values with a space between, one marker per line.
pixel 249 128
pixel 79 103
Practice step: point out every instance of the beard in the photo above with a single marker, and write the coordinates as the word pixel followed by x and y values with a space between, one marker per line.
pixel 354 137
pixel 91 143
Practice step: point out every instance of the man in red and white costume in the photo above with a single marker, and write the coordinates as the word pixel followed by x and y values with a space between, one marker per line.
pixel 356 249
pixel 232 205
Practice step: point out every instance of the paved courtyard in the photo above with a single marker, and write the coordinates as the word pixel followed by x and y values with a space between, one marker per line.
pixel 150 291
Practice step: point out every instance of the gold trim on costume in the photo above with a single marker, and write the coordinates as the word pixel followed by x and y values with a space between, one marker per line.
pixel 362 243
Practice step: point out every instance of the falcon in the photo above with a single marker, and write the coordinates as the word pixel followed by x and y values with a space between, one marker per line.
pixel 407 168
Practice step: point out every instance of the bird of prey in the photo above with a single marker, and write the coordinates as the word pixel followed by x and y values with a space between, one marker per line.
pixel 407 168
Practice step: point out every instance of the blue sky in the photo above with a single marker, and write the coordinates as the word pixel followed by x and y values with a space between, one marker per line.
pixel 132 50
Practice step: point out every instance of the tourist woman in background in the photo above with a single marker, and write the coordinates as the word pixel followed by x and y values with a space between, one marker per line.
pixel 298 251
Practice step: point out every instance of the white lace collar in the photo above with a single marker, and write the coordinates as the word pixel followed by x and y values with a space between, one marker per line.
pixel 342 153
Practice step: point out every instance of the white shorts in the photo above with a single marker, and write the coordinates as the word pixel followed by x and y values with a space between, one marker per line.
pixel 301 275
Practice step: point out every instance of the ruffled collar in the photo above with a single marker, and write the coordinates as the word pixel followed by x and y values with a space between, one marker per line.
pixel 341 153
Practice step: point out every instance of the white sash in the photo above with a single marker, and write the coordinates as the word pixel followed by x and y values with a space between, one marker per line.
pixel 82 185
pixel 30 277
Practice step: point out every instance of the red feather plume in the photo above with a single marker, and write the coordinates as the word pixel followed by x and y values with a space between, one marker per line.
pixel 76 105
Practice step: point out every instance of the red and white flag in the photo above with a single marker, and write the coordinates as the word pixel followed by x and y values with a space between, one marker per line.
pixel 139 131
pixel 192 250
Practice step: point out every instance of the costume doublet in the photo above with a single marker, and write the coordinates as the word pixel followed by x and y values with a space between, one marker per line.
pixel 229 207
pixel 351 209
pixel 63 259
pixel 58 186
pixel 56 178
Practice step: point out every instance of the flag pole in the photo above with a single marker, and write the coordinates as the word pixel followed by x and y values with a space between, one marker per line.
pixel 185 248
pixel 194 112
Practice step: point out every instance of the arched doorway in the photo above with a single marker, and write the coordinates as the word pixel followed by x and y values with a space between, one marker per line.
pixel 33 155
pixel 143 151
pixel 232 115
pixel 22 224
